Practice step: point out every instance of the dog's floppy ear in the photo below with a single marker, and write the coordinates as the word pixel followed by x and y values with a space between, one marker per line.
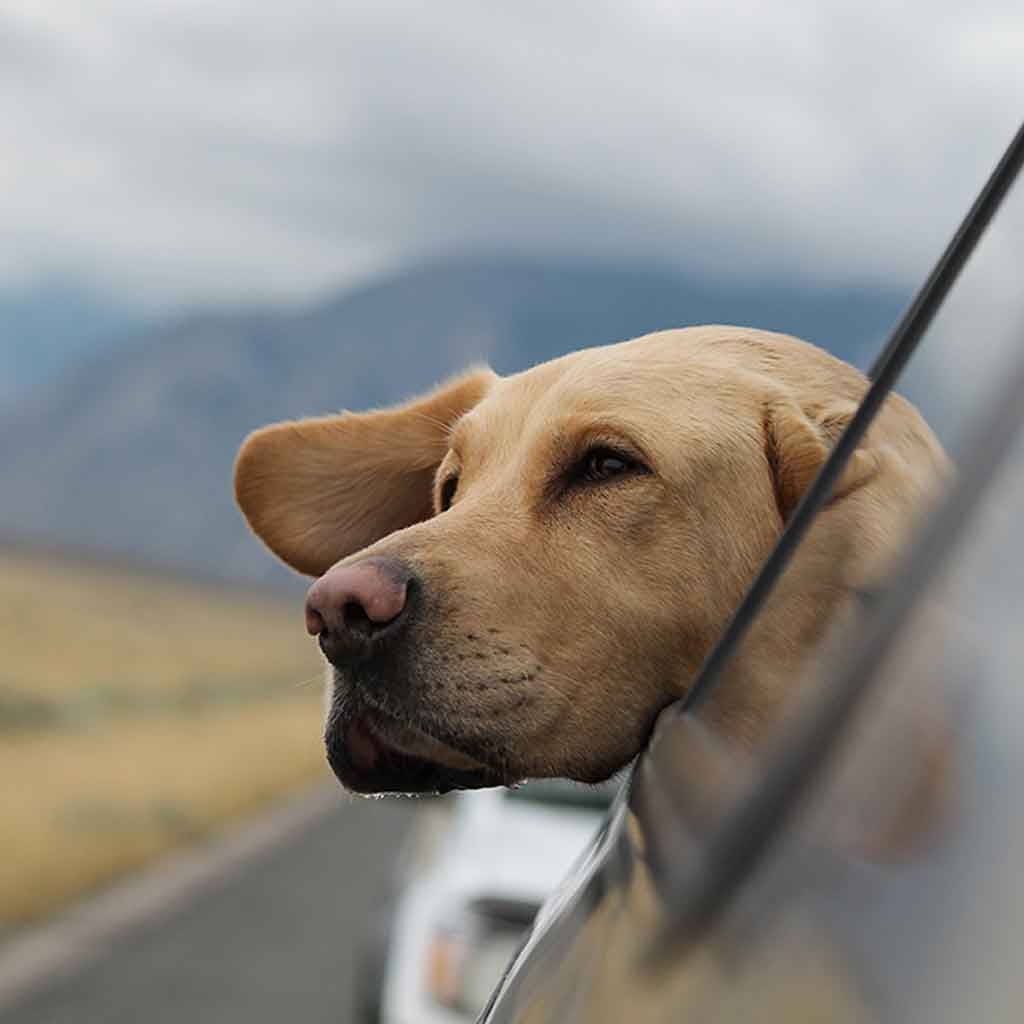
pixel 315 490
pixel 797 442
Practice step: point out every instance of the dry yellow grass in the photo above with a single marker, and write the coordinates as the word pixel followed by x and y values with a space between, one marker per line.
pixel 71 625
pixel 136 713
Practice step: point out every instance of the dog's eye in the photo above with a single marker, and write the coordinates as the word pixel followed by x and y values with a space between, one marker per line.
pixel 448 489
pixel 604 463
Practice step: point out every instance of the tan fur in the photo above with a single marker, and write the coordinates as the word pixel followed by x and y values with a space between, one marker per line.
pixel 560 620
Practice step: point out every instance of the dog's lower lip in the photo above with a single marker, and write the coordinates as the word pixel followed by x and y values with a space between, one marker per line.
pixel 371 753
pixel 365 741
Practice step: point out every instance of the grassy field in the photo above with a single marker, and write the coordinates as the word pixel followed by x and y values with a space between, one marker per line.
pixel 138 712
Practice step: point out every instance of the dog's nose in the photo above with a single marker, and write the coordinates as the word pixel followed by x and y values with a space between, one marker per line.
pixel 350 606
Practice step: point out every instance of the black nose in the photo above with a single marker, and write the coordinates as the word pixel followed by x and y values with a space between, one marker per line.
pixel 352 608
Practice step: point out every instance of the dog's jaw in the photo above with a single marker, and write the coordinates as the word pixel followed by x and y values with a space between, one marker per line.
pixel 371 753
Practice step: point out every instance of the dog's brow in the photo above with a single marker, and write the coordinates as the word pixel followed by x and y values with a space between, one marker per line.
pixel 578 432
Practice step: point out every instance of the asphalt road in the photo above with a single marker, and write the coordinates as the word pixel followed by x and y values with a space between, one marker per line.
pixel 274 941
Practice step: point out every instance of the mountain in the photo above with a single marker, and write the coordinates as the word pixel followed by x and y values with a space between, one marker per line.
pixel 44 326
pixel 131 449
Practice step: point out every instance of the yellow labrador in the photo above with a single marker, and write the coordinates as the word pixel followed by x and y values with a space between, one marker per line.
pixel 516 574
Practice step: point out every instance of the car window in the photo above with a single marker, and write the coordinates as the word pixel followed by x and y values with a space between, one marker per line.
pixel 883 376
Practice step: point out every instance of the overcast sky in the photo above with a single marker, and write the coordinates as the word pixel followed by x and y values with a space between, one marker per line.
pixel 217 150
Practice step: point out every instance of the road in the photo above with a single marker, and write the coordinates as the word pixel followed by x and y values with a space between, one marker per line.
pixel 274 939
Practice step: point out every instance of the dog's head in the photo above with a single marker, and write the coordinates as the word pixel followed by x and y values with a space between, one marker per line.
pixel 517 574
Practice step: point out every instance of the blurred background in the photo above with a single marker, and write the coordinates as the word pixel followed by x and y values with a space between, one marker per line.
pixel 218 214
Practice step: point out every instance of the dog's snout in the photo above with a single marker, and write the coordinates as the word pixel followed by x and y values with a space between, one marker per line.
pixel 350 606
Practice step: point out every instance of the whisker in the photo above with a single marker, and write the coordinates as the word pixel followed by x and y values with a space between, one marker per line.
pixel 305 682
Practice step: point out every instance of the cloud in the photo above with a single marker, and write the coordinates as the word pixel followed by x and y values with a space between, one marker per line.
pixel 207 151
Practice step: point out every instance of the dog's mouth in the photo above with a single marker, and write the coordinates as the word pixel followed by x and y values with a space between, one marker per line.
pixel 371 754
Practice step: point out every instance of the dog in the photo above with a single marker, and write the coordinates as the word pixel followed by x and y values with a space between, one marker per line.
pixel 515 575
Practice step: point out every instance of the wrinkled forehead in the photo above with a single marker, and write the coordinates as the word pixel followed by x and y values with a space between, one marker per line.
pixel 643 391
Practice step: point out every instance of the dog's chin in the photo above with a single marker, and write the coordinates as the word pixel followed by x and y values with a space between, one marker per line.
pixel 371 755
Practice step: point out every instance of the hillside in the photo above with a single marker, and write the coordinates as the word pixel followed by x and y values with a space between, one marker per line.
pixel 131 449
pixel 45 325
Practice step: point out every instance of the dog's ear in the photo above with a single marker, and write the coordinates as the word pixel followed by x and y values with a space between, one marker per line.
pixel 316 490
pixel 797 441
